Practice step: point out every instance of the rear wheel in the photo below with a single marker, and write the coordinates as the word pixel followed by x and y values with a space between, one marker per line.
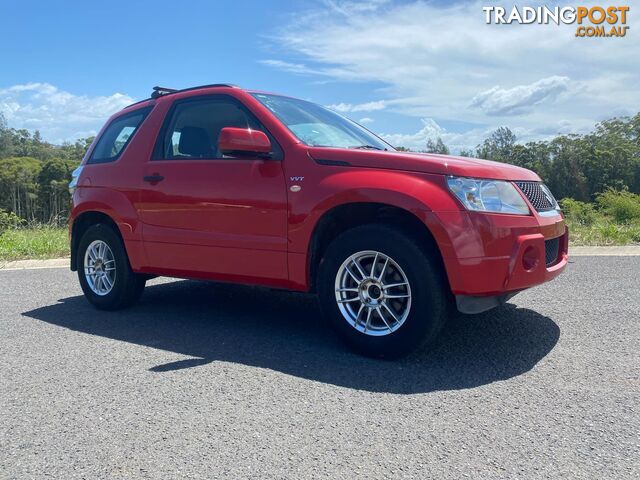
pixel 104 271
pixel 381 291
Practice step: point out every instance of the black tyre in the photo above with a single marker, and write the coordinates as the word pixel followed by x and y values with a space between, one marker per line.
pixel 104 271
pixel 381 291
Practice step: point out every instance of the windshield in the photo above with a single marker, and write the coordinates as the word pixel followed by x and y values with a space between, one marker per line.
pixel 318 126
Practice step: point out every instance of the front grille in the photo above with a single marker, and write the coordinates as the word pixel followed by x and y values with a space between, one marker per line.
pixel 551 248
pixel 537 196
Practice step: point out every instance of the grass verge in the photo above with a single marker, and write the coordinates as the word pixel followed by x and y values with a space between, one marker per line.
pixel 614 219
pixel 603 233
pixel 39 243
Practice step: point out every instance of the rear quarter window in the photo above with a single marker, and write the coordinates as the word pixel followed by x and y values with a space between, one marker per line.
pixel 117 136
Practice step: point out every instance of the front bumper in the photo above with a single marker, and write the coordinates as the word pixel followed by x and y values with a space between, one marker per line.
pixel 471 304
pixel 494 255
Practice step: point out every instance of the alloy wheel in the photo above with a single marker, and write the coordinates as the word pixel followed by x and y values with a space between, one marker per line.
pixel 99 267
pixel 373 293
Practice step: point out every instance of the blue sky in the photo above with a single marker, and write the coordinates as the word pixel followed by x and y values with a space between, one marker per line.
pixel 409 70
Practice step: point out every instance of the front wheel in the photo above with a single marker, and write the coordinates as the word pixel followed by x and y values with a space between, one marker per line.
pixel 104 272
pixel 381 291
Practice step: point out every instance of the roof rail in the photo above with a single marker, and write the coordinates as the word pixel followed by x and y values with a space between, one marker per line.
pixel 161 91
pixel 138 102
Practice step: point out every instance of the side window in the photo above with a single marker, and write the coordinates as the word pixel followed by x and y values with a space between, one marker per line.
pixel 116 136
pixel 194 126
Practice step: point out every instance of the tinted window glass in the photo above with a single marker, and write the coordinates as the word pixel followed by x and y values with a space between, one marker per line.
pixel 318 126
pixel 117 135
pixel 194 126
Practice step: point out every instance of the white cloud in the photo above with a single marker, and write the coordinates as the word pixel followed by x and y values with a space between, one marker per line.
pixel 365 120
pixel 58 115
pixel 299 68
pixel 457 141
pixel 418 140
pixel 354 7
pixel 431 130
pixel 443 61
pixel 358 107
pixel 519 99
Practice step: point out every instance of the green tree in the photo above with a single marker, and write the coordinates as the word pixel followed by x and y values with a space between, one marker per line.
pixel 466 153
pixel 566 177
pixel 576 166
pixel 437 147
pixel 75 151
pixel 19 186
pixel 498 146
pixel 53 193
pixel 5 138
pixel 611 156
pixel 34 174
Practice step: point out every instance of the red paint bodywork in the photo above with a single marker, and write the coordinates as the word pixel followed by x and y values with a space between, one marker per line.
pixel 237 219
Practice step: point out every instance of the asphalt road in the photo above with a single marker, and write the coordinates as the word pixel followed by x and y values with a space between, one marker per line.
pixel 216 381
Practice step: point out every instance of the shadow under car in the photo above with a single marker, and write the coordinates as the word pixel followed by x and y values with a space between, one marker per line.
pixel 284 331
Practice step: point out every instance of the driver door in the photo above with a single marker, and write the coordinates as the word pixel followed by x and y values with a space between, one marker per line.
pixel 211 215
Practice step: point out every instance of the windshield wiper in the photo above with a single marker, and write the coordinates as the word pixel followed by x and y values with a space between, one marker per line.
pixel 367 147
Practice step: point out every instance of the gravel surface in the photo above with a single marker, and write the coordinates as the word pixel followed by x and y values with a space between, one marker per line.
pixel 216 381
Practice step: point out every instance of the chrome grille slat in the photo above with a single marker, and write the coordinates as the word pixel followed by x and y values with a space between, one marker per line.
pixel 536 196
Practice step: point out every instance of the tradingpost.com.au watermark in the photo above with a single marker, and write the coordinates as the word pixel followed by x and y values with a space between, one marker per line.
pixel 592 21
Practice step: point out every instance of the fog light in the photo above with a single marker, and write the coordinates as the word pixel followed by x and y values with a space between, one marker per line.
pixel 530 258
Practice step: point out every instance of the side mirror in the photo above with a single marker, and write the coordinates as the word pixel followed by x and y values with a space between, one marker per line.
pixel 243 140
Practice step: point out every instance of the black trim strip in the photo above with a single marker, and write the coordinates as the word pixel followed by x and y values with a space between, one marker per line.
pixel 332 163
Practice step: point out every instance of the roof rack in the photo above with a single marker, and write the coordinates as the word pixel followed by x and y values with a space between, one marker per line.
pixel 161 91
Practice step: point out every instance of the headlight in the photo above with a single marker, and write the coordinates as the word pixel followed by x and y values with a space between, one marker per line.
pixel 488 195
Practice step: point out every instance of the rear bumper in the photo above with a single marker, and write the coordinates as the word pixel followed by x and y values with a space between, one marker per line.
pixel 497 256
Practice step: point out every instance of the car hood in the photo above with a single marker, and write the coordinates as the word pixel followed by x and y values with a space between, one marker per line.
pixel 421 162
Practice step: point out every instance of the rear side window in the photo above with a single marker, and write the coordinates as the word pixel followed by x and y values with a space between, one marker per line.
pixel 117 136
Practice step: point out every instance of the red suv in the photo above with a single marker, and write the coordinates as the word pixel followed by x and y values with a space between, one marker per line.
pixel 220 183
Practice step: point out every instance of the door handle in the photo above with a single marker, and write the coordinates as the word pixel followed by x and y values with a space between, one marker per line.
pixel 155 178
